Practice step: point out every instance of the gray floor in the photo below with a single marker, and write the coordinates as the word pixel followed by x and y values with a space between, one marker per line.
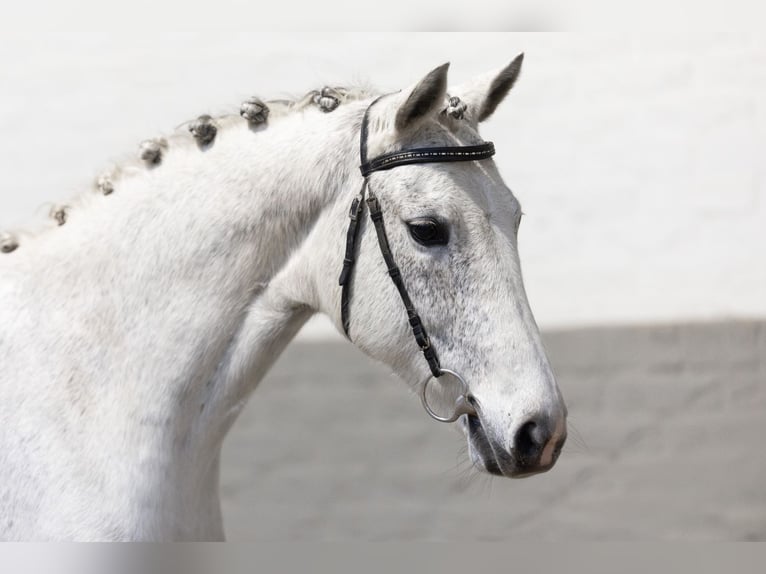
pixel 670 421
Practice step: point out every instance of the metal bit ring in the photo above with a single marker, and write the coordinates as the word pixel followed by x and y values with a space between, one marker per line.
pixel 462 403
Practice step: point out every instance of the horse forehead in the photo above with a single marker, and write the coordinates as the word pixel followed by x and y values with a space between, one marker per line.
pixel 461 189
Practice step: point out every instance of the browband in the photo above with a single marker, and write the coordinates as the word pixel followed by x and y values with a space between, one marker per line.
pixel 428 155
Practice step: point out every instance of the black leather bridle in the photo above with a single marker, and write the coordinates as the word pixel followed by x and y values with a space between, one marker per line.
pixel 385 162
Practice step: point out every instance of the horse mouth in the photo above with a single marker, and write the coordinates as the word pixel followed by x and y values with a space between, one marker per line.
pixel 490 457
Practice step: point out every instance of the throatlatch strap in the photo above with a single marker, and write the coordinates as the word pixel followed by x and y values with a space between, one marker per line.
pixel 348 261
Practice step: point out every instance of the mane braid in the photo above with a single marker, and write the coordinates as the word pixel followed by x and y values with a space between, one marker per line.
pixel 203 131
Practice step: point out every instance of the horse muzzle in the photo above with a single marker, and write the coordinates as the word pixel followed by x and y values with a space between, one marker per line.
pixel 534 448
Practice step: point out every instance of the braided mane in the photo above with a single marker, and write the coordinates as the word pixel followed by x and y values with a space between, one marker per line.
pixel 202 132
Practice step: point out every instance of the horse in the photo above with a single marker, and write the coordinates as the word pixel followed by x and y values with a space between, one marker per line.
pixel 136 325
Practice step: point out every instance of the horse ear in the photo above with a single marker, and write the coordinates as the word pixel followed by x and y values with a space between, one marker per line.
pixel 424 100
pixel 483 94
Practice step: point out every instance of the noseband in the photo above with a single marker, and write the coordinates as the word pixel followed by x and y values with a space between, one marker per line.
pixel 463 404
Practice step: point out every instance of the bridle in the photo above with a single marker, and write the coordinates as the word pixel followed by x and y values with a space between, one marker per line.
pixel 464 402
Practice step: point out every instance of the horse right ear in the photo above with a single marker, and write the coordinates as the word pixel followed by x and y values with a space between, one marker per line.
pixel 482 95
pixel 423 100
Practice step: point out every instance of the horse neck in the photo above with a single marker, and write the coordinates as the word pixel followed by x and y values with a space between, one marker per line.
pixel 165 302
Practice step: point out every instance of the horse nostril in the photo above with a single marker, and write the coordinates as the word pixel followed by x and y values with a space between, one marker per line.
pixel 528 443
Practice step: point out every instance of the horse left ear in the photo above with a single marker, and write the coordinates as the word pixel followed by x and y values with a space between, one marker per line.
pixel 484 94
pixel 423 100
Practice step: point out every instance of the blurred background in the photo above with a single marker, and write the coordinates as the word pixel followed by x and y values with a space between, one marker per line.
pixel 639 163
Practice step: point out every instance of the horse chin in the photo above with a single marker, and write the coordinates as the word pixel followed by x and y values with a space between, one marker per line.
pixel 480 451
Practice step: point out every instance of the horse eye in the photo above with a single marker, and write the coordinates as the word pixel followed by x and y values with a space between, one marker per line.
pixel 429 231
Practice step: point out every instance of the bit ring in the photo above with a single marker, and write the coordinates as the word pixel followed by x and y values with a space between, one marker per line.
pixel 463 404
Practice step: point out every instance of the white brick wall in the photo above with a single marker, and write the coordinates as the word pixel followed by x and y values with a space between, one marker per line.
pixel 638 160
